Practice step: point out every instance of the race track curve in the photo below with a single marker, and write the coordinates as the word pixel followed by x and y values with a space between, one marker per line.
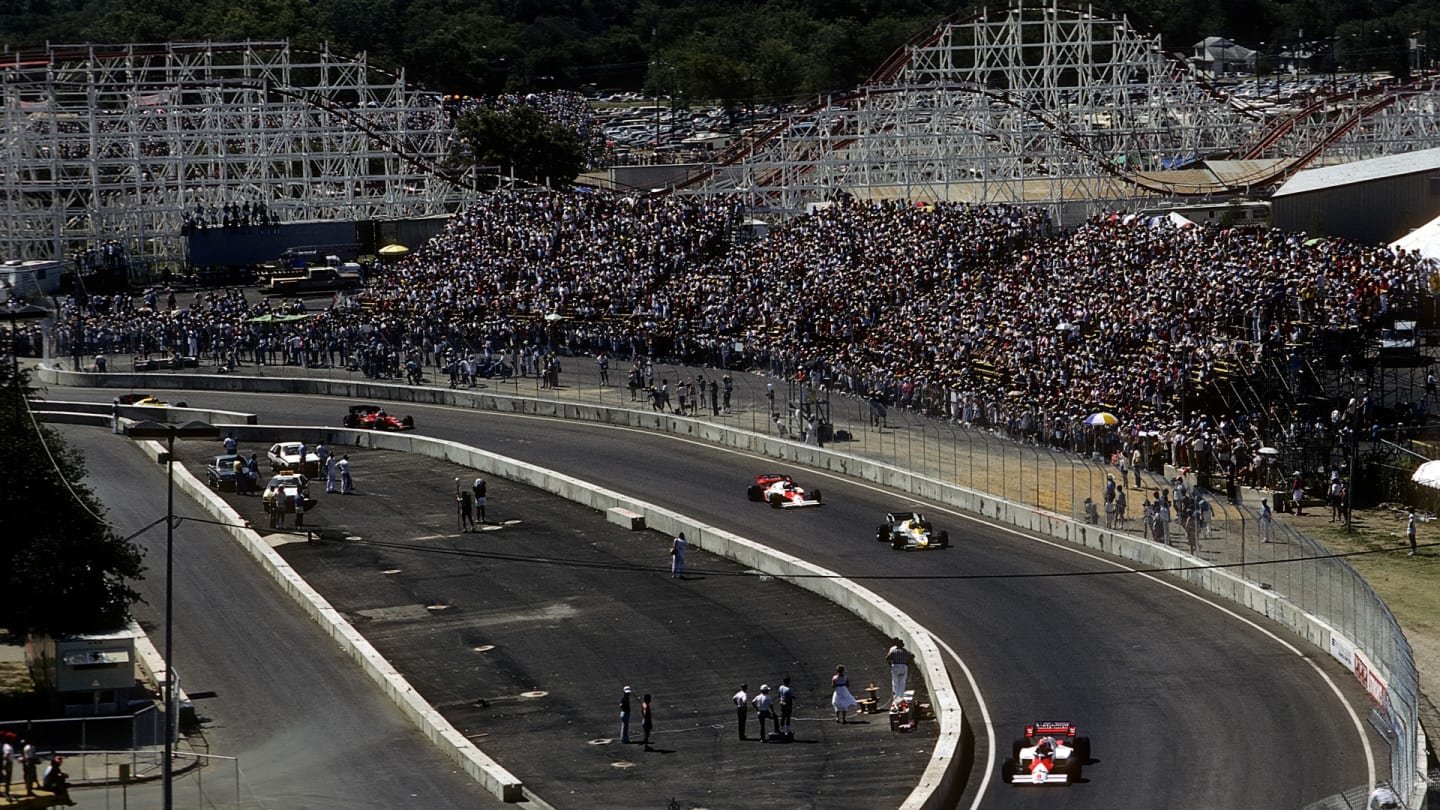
pixel 1188 704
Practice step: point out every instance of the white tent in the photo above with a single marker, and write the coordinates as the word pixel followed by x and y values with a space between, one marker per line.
pixel 1425 239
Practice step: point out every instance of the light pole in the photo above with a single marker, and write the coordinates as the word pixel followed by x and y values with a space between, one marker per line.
pixel 169 432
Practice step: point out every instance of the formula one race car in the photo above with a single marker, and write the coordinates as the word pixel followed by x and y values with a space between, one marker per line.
pixel 149 400
pixel 906 531
pixel 781 492
pixel 373 417
pixel 1048 754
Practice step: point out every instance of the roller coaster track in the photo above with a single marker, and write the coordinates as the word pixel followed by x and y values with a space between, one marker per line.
pixel 792 148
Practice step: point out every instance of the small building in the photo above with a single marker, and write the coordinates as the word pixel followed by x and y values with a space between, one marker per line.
pixel 1219 56
pixel 90 674
pixel 30 279
pixel 1367 201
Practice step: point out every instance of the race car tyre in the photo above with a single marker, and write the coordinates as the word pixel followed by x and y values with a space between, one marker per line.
pixel 408 421
pixel 776 500
pixel 1007 769
pixel 881 534
pixel 181 405
pixel 898 542
pixel 815 496
pixel 1082 749
pixel 349 422
pixel 942 540
pixel 1015 750
pixel 754 493
pixel 1073 769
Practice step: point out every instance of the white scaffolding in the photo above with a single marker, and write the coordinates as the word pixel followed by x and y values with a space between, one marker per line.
pixel 1039 104
pixel 119 142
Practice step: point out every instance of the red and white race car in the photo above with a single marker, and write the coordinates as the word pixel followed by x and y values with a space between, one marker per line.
pixel 1048 754
pixel 373 417
pixel 781 492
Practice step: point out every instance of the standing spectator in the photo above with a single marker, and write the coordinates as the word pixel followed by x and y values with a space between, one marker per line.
pixel 1135 459
pixel 115 415
pixel 729 390
pixel 602 361
pixel 465 501
pixel 7 764
pixel 252 472
pixel 742 709
pixel 332 474
pixel 765 710
pixel 899 660
pixel 347 486
pixel 322 455
pixel 625 716
pixel 1410 532
pixel 28 762
pixel 1203 515
pixel 242 477
pixel 1121 502
pixel 677 556
pixel 841 699
pixel 1266 519
pixel 1297 493
pixel 714 398
pixel 230 444
pixel 1124 467
pixel 299 508
pixel 647 720
pixel 477 490
pixel 1337 499
pixel 787 707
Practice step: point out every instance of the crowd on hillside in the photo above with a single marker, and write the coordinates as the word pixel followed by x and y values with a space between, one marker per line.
pixel 987 315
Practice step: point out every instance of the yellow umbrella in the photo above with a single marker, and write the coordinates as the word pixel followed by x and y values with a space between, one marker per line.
pixel 393 250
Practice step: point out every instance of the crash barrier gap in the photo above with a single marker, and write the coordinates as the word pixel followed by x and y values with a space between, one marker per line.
pixel 1274 606
pixel 939 784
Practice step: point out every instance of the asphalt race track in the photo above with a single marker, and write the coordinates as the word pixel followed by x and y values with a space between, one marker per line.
pixel 1188 704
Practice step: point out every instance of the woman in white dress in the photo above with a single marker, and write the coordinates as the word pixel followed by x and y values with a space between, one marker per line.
pixel 843 701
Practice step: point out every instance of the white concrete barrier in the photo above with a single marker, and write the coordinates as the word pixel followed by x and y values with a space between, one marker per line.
pixel 634 521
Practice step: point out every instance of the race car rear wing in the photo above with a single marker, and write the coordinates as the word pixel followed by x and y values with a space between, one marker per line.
pixel 1040 778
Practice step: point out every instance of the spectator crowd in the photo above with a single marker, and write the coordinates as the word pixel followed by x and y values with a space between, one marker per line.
pixel 986 315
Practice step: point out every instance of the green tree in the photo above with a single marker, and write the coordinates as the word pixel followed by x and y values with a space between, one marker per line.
pixel 63 569
pixel 521 141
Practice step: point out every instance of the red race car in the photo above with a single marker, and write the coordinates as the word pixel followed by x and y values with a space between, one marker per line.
pixel 781 492
pixel 1048 754
pixel 373 417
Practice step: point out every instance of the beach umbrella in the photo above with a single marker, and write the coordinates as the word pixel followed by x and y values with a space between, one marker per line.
pixel 554 316
pixel 1102 419
pixel 393 250
pixel 1427 474
pixel 1268 451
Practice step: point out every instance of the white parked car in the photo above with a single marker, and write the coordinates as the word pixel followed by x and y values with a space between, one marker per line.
pixel 286 456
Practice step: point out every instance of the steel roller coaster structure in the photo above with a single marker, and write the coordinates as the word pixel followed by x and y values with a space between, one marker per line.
pixel 1033 104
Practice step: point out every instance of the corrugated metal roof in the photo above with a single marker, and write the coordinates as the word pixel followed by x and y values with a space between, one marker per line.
pixel 1360 171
